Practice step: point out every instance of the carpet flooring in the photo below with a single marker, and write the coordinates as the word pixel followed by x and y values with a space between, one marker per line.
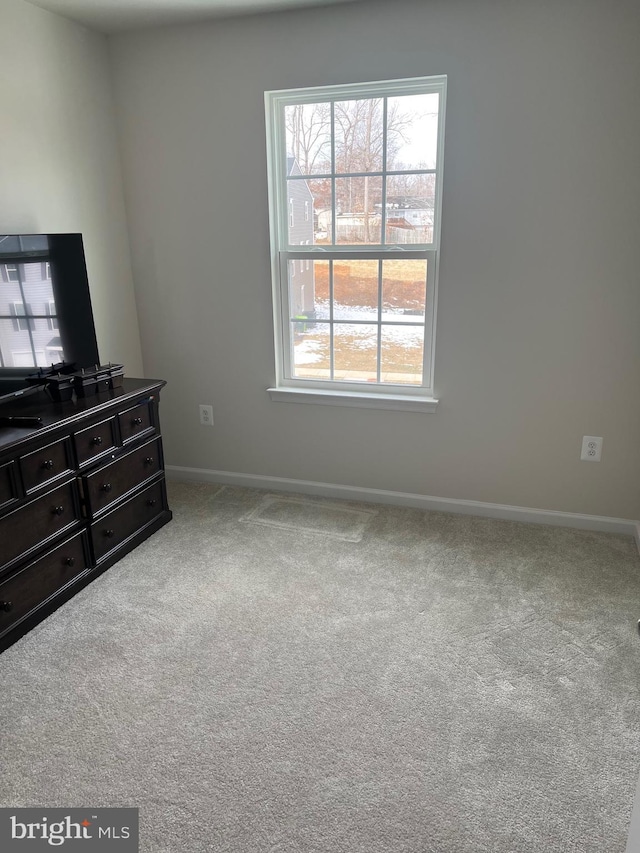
pixel 279 674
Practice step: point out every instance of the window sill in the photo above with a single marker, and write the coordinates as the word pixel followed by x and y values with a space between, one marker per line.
pixel 396 402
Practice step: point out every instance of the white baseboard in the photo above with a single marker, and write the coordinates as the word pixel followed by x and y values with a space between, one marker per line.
pixel 633 843
pixel 603 524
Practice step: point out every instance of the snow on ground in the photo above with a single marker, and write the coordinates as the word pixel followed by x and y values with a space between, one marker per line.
pixel 311 351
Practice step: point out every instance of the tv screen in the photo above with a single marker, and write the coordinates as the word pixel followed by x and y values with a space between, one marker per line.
pixel 45 306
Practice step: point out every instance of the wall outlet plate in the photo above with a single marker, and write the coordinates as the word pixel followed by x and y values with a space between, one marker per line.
pixel 206 414
pixel 591 448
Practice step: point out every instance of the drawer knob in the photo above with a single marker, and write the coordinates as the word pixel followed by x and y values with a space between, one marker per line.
pixel 97 440
pixel 152 502
pixel 137 421
pixel 6 606
pixel 148 460
pixel 106 487
pixel 47 464
pixel 58 510
pixel 70 561
pixel 109 534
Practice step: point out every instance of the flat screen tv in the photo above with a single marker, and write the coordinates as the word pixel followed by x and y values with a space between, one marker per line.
pixel 45 306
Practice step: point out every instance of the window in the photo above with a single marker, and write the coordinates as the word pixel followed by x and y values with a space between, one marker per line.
pixel 367 161
pixel 11 271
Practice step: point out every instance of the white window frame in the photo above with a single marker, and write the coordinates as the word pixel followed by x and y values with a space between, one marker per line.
pixel 337 392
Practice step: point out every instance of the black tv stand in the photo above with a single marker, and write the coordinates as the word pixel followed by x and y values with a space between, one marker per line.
pixel 77 493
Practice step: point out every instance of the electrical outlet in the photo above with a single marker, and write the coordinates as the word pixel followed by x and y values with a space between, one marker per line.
pixel 206 415
pixel 591 448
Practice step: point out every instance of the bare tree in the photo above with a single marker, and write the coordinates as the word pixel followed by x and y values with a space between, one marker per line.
pixel 361 139
pixel 308 128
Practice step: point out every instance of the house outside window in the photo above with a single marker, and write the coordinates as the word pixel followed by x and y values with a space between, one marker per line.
pixel 366 161
pixel 29 335
pixel 21 322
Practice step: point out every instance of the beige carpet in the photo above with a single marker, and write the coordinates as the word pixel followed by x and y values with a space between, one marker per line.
pixel 279 674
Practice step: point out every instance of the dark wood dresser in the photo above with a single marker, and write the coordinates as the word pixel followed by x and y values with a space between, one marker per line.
pixel 76 495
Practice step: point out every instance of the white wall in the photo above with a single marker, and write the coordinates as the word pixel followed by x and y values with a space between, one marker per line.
pixel 538 340
pixel 59 162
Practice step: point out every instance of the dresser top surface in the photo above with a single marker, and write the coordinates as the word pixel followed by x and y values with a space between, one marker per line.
pixel 57 416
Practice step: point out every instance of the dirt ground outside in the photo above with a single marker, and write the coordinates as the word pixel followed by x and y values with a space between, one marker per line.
pixel 356 283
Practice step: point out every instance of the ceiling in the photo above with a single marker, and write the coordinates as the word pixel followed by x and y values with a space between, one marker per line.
pixel 112 16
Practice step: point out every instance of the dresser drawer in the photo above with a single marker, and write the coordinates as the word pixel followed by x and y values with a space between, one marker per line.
pixel 113 481
pixel 38 521
pixel 117 526
pixel 7 484
pixel 35 584
pixel 94 441
pixel 45 464
pixel 136 421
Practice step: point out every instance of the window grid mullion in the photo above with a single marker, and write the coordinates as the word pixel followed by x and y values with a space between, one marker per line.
pixel 333 182
pixel 417 324
pixel 331 337
pixel 379 352
pixel 383 200
pixel 355 253
pixel 285 318
pixel 372 174
pixel 427 353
